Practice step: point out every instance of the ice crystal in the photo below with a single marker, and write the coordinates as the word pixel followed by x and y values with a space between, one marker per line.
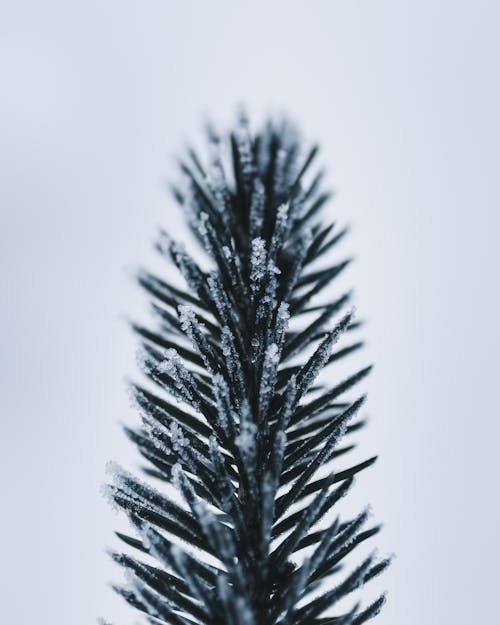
pixel 257 263
pixel 282 318
pixel 179 441
pixel 268 378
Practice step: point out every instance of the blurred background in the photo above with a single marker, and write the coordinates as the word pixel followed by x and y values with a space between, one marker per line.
pixel 97 98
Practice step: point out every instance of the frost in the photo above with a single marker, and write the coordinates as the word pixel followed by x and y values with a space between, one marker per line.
pixel 233 264
pixel 267 492
pixel 184 448
pixel 272 353
pixel 187 317
pixel 268 378
pixel 282 318
pixel 267 302
pixel 228 348
pixel 132 494
pixel 282 213
pixel 257 263
pixel 255 352
pixel 108 493
pixel 218 186
pixel 203 514
pixel 202 225
pixel 247 437
pixel 179 441
pixel 316 363
pixel 280 230
pixel 170 363
pixel 190 203
pixel 246 440
pixel 204 517
pixel 322 354
pixel 113 469
pixel 224 483
pixel 207 233
pixel 280 443
pixel 177 476
pixel 289 401
pixel 177 372
pixel 218 294
pixel 279 449
pixel 228 316
pixel 257 204
pixel 225 416
pixel 227 340
pixel 196 332
pixel 158 433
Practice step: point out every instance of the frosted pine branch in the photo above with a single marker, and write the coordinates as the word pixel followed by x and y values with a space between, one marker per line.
pixel 237 416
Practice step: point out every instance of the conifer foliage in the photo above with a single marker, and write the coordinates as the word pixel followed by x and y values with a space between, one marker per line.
pixel 233 416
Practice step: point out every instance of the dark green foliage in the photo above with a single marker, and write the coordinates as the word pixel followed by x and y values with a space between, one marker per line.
pixel 237 422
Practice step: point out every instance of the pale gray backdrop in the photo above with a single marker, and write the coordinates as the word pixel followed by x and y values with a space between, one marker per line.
pixel 96 98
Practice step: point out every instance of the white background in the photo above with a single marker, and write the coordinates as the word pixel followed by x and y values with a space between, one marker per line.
pixel 96 98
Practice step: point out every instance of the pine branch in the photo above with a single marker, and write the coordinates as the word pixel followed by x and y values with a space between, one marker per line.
pixel 252 441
